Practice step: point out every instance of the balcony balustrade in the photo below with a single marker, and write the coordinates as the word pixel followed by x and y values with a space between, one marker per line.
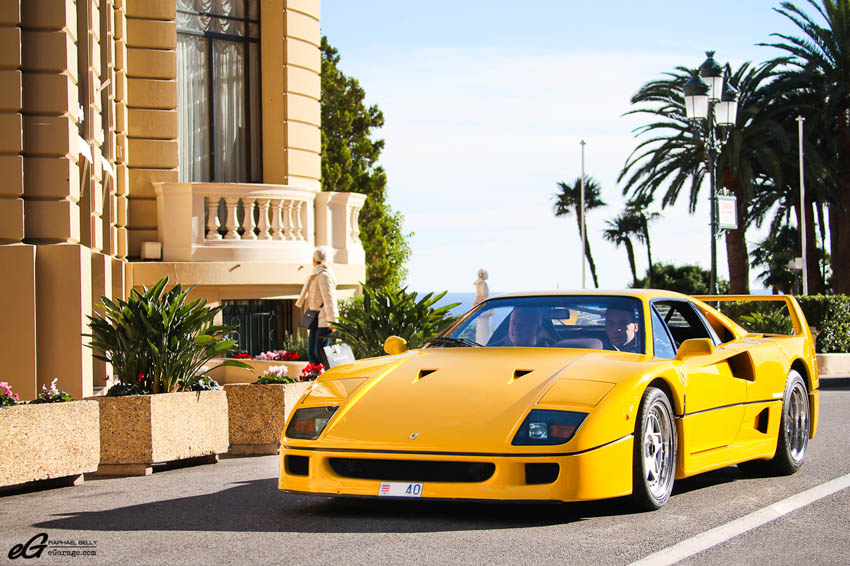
pixel 229 221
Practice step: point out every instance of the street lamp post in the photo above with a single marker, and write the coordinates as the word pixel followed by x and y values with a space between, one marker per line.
pixel 709 97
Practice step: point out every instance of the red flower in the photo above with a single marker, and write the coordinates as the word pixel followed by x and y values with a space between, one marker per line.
pixel 141 376
pixel 243 356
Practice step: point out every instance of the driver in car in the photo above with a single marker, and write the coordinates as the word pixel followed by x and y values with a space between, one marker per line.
pixel 621 330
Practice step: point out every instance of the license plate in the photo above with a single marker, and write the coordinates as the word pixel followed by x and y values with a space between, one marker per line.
pixel 400 489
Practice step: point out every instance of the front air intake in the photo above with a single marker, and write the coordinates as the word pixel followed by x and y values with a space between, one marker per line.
pixel 412 470
pixel 541 473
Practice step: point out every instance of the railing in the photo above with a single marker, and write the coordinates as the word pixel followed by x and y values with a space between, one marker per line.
pixel 222 222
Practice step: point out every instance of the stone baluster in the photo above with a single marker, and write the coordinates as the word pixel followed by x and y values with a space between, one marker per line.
pixel 277 227
pixel 288 221
pixel 263 224
pixel 248 223
pixel 232 224
pixel 212 219
pixel 355 226
pixel 299 230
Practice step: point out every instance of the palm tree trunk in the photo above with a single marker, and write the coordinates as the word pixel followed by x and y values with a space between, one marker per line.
pixel 590 261
pixel 839 216
pixel 649 269
pixel 630 251
pixel 812 252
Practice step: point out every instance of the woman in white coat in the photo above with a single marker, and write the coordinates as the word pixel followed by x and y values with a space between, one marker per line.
pixel 319 294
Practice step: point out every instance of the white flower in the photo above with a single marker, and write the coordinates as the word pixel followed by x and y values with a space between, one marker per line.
pixel 277 371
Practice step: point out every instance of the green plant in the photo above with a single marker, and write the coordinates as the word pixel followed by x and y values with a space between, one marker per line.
pixel 773 322
pixel 156 342
pixel 204 383
pixel 51 395
pixel 275 374
pixel 295 342
pixel 366 323
pixel 274 379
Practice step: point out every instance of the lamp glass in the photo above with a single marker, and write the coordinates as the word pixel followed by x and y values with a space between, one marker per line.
pixel 726 112
pixel 715 86
pixel 696 106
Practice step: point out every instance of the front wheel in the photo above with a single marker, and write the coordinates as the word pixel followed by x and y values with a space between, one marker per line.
pixel 654 465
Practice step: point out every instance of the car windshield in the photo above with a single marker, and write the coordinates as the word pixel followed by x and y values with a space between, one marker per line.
pixel 594 322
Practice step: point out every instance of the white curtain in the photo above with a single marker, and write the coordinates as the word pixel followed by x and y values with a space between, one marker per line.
pixel 230 141
pixel 193 136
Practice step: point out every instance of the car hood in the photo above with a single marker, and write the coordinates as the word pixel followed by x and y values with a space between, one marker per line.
pixel 459 399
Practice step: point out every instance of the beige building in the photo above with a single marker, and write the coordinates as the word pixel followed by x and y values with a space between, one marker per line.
pixel 150 138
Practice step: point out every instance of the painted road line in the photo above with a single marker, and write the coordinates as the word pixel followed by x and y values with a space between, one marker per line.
pixel 718 535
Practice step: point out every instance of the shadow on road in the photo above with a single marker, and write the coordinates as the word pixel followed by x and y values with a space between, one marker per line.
pixel 257 506
pixel 835 383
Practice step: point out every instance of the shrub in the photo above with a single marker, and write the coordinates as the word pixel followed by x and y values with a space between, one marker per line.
pixel 366 322
pixel 156 342
pixel 828 314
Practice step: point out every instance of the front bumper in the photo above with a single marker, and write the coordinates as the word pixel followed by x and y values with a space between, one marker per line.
pixel 598 473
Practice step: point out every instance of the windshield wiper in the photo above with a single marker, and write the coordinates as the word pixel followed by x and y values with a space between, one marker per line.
pixel 451 341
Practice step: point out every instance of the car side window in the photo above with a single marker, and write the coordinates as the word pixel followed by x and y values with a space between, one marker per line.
pixel 684 322
pixel 662 343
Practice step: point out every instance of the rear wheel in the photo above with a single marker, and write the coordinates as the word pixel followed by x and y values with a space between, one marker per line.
pixel 654 465
pixel 793 436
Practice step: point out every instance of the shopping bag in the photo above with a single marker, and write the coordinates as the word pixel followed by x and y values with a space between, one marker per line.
pixel 337 354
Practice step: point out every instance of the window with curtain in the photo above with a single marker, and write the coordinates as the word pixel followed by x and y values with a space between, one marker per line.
pixel 218 90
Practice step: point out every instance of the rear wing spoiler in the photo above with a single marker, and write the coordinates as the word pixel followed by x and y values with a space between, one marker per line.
pixel 798 319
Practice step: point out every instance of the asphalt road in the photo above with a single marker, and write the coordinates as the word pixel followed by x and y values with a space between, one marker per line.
pixel 232 513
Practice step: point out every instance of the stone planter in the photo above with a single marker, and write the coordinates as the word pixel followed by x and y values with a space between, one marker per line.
pixel 49 441
pixel 225 375
pixel 257 414
pixel 141 430
pixel 833 365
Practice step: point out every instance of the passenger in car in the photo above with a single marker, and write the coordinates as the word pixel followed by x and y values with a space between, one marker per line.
pixel 621 330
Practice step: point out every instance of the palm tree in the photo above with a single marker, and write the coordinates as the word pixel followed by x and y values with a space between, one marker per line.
pixel 619 232
pixel 820 57
pixel 636 209
pixel 569 200
pixel 676 155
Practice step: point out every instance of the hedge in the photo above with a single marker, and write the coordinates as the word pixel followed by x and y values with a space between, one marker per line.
pixel 829 315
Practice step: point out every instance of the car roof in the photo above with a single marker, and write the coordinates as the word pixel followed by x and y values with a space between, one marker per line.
pixel 643 294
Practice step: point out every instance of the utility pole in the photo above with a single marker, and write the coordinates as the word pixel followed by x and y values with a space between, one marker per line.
pixel 583 234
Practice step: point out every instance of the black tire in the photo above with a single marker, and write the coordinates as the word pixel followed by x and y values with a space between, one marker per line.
pixel 655 444
pixel 793 428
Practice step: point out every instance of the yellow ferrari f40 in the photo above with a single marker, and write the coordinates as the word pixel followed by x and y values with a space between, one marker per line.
pixel 560 396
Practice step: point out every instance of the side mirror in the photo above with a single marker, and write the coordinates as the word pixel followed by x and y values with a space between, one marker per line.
pixel 695 347
pixel 395 345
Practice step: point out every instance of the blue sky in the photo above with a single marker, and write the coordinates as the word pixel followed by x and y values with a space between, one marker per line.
pixel 485 105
